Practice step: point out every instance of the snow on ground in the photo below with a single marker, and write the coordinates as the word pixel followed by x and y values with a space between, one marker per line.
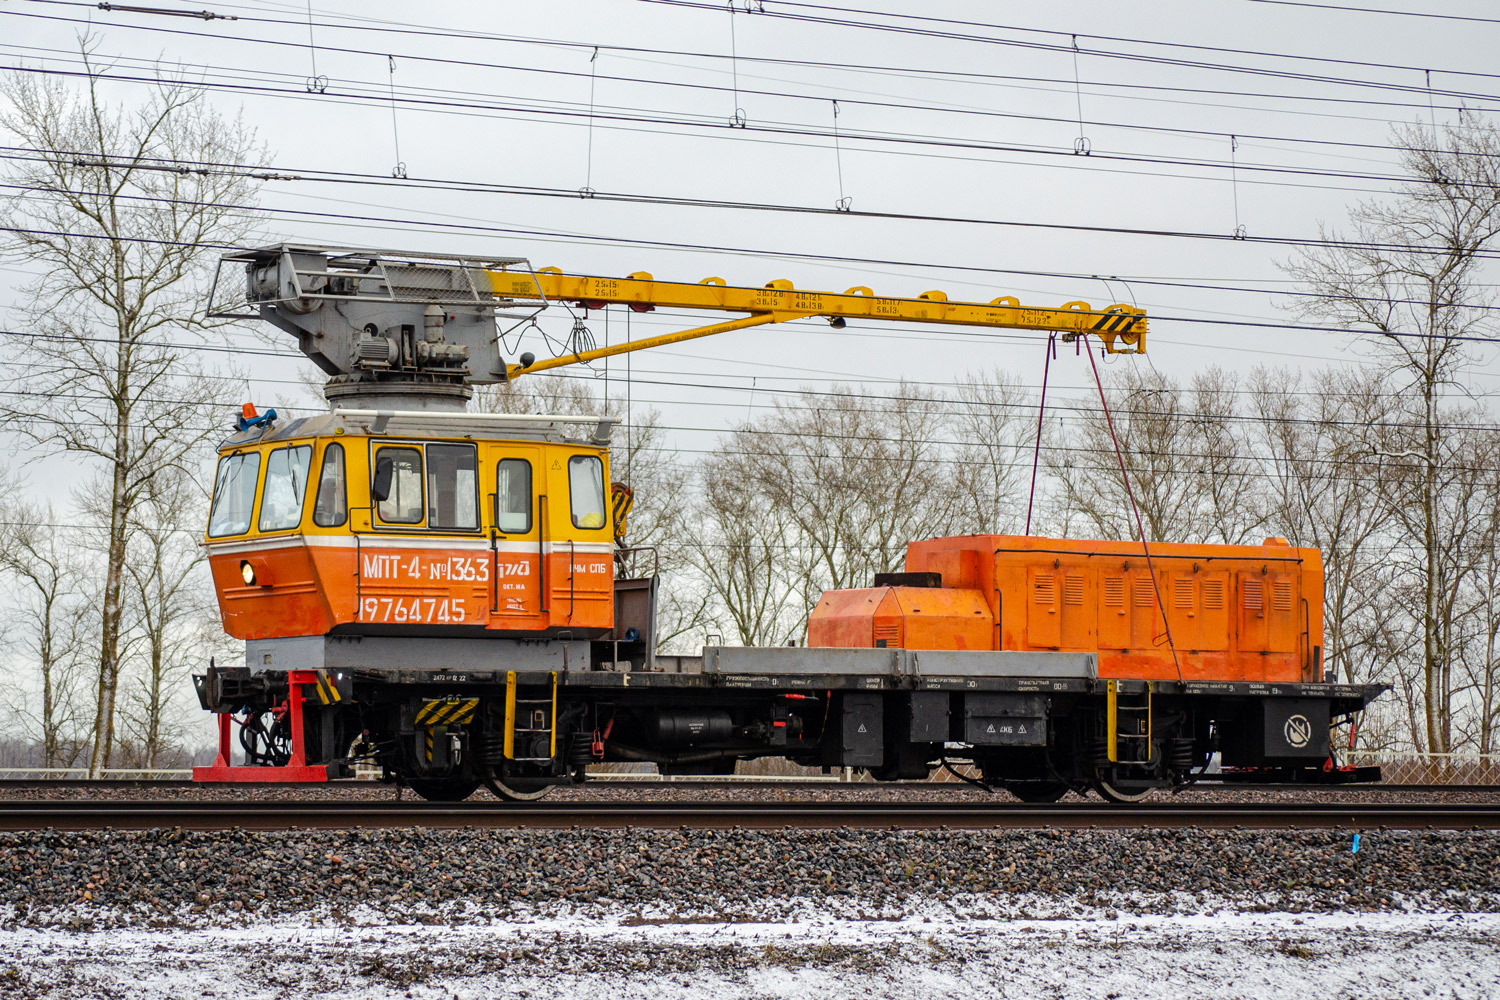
pixel 927 952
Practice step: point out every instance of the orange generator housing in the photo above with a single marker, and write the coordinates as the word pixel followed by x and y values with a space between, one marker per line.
pixel 1233 612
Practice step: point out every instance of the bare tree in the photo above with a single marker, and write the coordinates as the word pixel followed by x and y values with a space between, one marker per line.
pixel 1409 271
pixel 1187 454
pixel 119 209
pixel 170 616
pixel 993 426
pixel 1313 436
pixel 841 485
pixel 1480 659
pixel 742 550
pixel 50 611
pixel 1317 460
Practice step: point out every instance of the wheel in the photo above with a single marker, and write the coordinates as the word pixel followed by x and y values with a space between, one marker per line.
pixel 443 789
pixel 1122 794
pixel 517 790
pixel 1037 791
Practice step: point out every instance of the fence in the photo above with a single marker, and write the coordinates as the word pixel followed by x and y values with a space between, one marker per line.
pixel 1400 767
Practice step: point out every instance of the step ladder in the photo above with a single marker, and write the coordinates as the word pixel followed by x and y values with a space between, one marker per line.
pixel 530 718
pixel 1128 724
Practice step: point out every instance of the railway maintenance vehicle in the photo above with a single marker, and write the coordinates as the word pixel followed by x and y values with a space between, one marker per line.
pixel 439 594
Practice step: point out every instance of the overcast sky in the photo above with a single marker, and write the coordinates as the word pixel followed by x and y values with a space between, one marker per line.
pixel 981 127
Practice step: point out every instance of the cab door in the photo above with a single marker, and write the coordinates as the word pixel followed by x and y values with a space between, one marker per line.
pixel 512 481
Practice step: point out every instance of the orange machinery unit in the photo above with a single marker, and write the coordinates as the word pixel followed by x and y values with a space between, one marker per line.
pixel 1227 612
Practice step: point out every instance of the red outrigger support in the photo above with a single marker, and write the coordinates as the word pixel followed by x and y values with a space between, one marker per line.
pixel 297 769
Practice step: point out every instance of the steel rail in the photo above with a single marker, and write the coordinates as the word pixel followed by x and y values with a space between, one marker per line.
pixel 120 814
pixel 703 781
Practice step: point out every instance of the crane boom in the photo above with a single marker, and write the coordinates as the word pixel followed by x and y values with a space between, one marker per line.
pixel 1121 328
pixel 397 330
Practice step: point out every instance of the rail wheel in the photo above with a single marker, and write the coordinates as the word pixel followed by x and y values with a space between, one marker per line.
pixel 517 789
pixel 1039 792
pixel 1123 793
pixel 443 789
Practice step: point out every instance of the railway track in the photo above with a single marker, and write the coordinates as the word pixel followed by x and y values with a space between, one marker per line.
pixel 335 788
pixel 16 815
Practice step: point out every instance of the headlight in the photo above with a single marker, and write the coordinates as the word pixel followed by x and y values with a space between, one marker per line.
pixel 247 572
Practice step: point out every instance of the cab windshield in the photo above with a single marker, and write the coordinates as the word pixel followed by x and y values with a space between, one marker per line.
pixel 234 494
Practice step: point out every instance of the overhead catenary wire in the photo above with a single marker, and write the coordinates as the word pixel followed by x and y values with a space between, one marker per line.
pixel 425 225
pixel 402 28
pixel 988 112
pixel 1128 88
pixel 299 175
pixel 579 116
pixel 1321 242
pixel 1394 334
pixel 879 403
pixel 1064 38
pixel 1354 9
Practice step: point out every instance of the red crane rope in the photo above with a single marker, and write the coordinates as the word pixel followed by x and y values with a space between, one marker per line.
pixel 1139 526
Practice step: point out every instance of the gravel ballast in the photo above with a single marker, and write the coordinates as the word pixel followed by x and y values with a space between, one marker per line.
pixel 140 878
pixel 668 914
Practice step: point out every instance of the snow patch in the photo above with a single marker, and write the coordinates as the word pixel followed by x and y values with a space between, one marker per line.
pixel 932 950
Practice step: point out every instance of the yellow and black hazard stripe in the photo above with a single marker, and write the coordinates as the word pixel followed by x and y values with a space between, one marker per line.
pixel 328 690
pixel 452 711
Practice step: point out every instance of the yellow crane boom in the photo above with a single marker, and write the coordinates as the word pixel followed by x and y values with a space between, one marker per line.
pixel 395 326
pixel 1121 328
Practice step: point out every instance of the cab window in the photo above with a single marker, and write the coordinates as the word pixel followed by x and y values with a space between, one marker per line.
pixel 286 488
pixel 403 503
pixel 513 496
pixel 586 491
pixel 452 487
pixel 234 494
pixel 331 509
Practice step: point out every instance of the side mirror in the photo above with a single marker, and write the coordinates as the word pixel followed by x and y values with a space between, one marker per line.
pixel 380 489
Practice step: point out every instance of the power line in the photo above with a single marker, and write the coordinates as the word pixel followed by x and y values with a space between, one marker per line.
pixel 1063 47
pixel 477 187
pixel 9 153
pixel 880 70
pixel 1379 10
pixel 952 406
pixel 814 98
pixel 578 117
pixel 389 27
pixel 1249 471
pixel 1399 335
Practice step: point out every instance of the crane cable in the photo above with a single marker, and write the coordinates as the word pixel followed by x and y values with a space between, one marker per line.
pixel 1139 526
pixel 1041 410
